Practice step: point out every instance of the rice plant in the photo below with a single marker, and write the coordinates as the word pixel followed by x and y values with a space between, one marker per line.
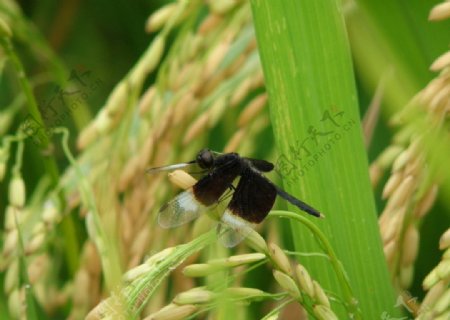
pixel 348 99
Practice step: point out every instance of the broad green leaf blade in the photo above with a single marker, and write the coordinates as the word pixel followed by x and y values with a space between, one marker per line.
pixel 314 112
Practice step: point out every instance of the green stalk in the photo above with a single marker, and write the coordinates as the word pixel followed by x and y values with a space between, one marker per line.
pixel 348 296
pixel 33 310
pixel 26 32
pixel 140 290
pixel 49 162
pixel 108 254
pixel 314 112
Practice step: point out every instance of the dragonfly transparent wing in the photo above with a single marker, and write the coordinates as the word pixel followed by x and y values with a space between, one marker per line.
pixel 251 202
pixel 180 210
pixel 233 229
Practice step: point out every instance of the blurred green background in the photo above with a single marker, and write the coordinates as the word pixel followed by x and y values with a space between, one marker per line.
pixel 106 38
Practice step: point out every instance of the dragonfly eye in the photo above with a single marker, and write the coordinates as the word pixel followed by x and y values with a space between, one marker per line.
pixel 205 159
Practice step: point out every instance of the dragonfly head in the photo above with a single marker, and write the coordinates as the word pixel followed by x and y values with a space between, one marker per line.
pixel 205 159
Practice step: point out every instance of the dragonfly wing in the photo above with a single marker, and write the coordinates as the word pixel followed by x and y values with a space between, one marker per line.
pixel 211 187
pixel 252 200
pixel 180 210
pixel 261 165
pixel 206 192
pixel 232 230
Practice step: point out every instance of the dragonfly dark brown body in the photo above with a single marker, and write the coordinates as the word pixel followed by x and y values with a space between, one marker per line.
pixel 251 201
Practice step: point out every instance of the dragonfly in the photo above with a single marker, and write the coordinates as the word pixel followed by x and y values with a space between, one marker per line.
pixel 252 197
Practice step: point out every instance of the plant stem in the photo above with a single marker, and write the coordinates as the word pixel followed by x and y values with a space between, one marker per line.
pixel 351 301
pixel 109 258
pixel 51 168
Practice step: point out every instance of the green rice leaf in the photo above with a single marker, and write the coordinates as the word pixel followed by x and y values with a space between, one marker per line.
pixel 322 159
